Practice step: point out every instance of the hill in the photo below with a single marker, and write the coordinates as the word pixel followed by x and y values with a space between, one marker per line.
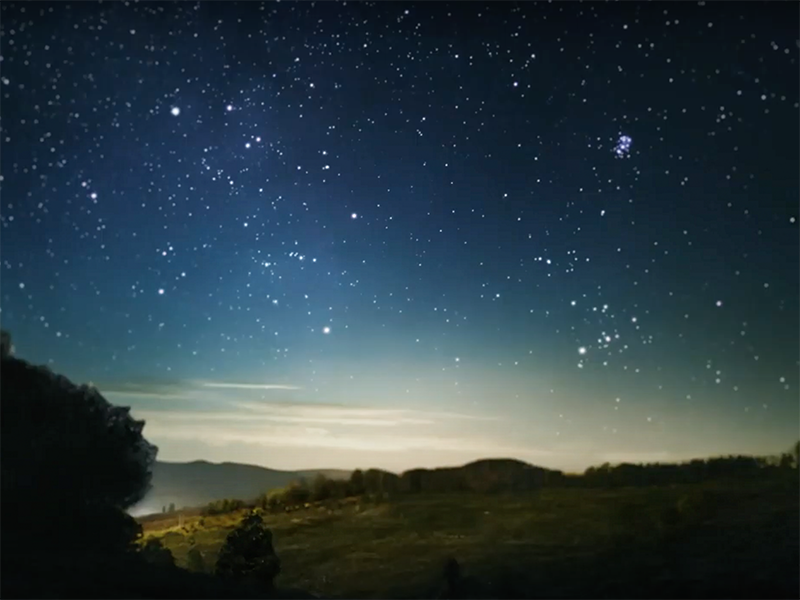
pixel 198 483
pixel 487 475
pixel 715 539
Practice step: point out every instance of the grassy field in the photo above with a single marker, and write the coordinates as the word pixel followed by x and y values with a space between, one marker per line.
pixel 736 539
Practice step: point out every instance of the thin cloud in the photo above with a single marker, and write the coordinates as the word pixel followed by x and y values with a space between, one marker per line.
pixel 248 386
pixel 341 411
pixel 223 419
pixel 180 390
pixel 276 436
pixel 450 415
pixel 330 411
pixel 160 390
pixel 149 395
pixel 329 427
pixel 254 418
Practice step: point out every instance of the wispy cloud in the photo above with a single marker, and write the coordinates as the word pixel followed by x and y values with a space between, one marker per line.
pixel 282 436
pixel 323 426
pixel 247 386
pixel 181 390
pixel 464 417
pixel 149 390
pixel 328 413
pixel 256 414
pixel 133 394
pixel 400 414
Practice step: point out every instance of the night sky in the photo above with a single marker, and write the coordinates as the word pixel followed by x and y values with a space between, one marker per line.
pixel 394 235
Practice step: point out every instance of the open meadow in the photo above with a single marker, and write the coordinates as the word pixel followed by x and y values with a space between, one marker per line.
pixel 716 539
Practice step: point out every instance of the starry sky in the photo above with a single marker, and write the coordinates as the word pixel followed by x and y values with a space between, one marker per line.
pixel 394 235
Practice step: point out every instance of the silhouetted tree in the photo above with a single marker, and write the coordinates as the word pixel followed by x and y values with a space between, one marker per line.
pixel 298 492
pixel 357 483
pixel 106 530
pixel 155 553
pixel 796 454
pixel 340 489
pixel 221 507
pixel 786 461
pixel 272 501
pixel 322 488
pixel 67 451
pixel 5 344
pixel 248 554
pixel 374 481
pixel 171 507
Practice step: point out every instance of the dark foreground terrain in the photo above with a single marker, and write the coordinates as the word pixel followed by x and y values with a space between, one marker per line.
pixel 723 539
pixel 719 539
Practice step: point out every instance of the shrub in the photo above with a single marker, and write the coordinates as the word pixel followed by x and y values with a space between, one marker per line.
pixel 322 488
pixel 155 553
pixel 248 554
pixel 221 507
pixel 297 493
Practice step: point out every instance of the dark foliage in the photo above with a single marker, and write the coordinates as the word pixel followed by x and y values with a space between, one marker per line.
pixel 695 471
pixel 269 502
pixel 154 552
pixel 297 493
pixel 5 344
pixel 82 448
pixel 377 481
pixel 67 451
pixel 357 482
pixel 248 555
pixel 223 506
pixel 323 488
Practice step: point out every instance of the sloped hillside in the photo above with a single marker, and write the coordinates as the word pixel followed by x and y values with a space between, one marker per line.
pixel 198 483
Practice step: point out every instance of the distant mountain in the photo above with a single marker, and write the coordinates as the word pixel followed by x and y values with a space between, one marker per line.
pixel 198 483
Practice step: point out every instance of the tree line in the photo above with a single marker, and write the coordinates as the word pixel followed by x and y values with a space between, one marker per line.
pixel 693 471
pixel 496 476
